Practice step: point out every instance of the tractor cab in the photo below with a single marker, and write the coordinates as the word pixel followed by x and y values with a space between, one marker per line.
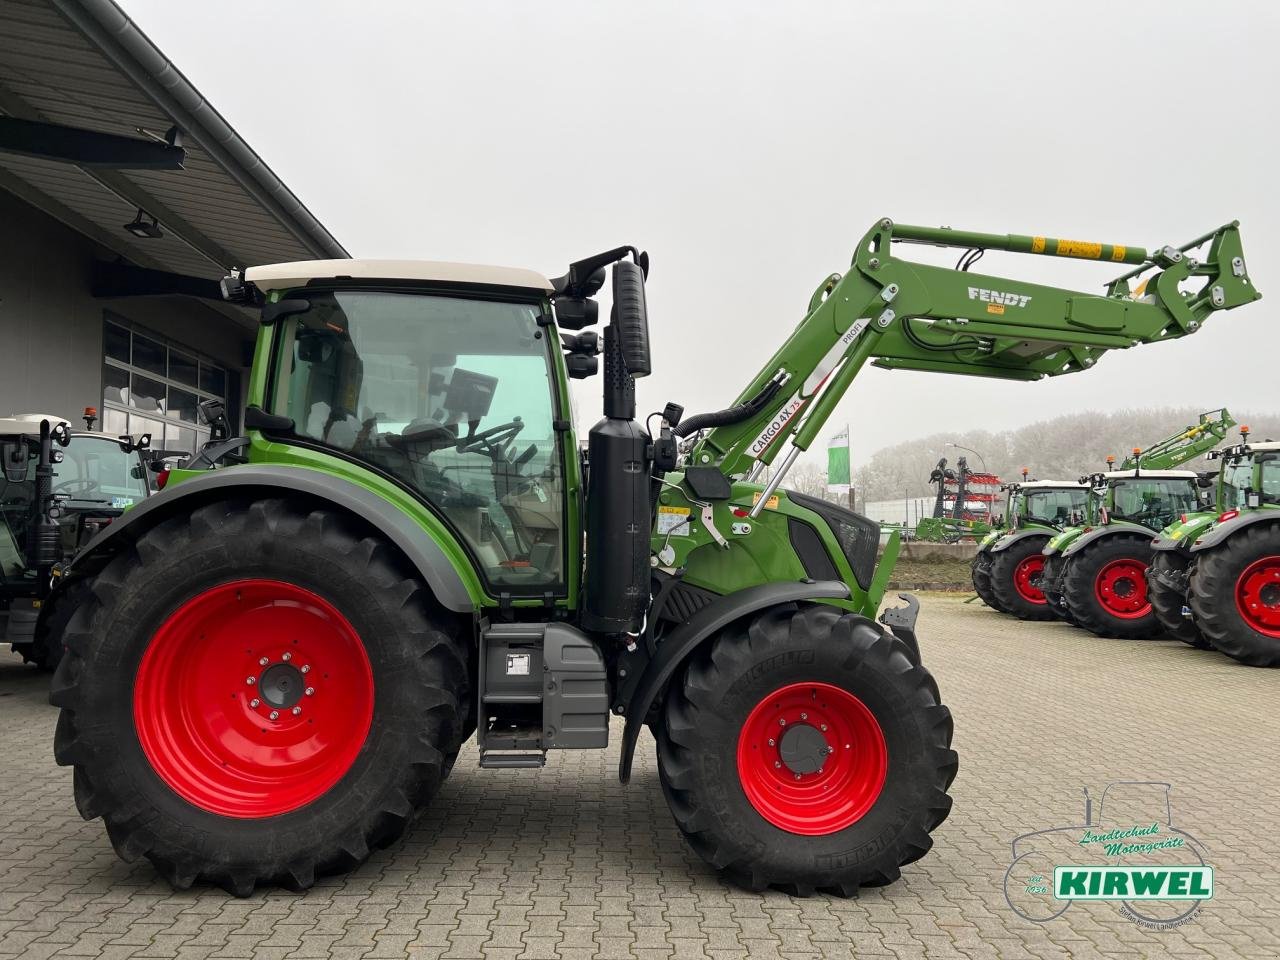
pixel 1149 498
pixel 443 381
pixel 1050 503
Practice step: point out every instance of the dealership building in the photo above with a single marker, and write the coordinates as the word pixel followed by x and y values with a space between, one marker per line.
pixel 124 198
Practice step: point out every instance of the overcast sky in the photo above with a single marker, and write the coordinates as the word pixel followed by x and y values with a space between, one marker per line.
pixel 748 146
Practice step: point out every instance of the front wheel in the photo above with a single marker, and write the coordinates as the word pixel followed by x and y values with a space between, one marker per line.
pixel 1169 602
pixel 803 749
pixel 1016 577
pixel 1106 588
pixel 258 692
pixel 980 571
pixel 1235 595
pixel 1051 582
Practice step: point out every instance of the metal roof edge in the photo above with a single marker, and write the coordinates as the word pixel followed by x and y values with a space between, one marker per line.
pixel 120 39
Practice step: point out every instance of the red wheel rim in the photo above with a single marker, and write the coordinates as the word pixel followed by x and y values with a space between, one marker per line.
pixel 1258 595
pixel 253 698
pixel 1027 578
pixel 1121 588
pixel 812 758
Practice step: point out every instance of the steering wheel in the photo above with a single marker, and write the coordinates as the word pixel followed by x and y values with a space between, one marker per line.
pixel 491 441
pixel 73 487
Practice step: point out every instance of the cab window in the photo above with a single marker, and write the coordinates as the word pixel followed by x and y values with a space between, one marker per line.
pixel 452 397
pixel 1154 502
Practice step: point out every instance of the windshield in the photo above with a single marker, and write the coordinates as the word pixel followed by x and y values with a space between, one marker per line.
pixel 451 397
pixel 1060 507
pixel 1154 502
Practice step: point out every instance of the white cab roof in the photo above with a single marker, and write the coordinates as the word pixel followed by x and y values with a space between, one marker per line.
pixel 1266 446
pixel 1042 484
pixel 28 423
pixel 279 276
pixel 1153 474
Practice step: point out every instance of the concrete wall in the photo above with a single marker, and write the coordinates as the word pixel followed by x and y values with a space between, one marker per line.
pixel 51 325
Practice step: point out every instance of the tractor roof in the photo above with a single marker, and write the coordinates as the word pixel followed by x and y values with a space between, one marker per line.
pixel 1266 446
pixel 1151 474
pixel 281 276
pixel 28 423
pixel 1050 484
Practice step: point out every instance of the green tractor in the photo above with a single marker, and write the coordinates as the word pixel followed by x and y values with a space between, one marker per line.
pixel 1215 578
pixel 1095 575
pixel 278 661
pixel 58 488
pixel 1009 563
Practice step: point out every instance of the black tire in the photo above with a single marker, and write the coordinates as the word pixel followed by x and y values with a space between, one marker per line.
pixel 47 648
pixel 705 713
pixel 1051 582
pixel 418 663
pixel 1082 572
pixel 1004 567
pixel 980 570
pixel 1215 580
pixel 1168 602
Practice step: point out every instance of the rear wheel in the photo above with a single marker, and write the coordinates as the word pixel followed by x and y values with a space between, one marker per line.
pixel 1169 602
pixel 1106 588
pixel 980 570
pixel 1016 576
pixel 258 693
pixel 803 749
pixel 1235 595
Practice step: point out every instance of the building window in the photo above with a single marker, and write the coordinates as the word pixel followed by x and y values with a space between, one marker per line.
pixel 152 386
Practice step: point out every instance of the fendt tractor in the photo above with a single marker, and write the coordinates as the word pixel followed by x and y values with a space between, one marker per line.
pixel 1009 563
pixel 1095 575
pixel 280 660
pixel 1215 576
pixel 58 488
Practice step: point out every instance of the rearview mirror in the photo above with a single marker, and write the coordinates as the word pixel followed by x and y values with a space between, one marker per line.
pixel 631 317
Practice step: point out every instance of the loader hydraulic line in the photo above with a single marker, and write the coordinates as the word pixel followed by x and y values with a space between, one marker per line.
pixel 906 315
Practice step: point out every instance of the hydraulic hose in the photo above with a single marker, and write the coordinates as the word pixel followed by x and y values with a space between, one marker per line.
pixel 729 415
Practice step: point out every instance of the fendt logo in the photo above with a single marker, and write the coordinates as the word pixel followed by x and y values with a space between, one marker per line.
pixel 997 300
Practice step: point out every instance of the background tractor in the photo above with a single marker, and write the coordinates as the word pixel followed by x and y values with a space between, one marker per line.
pixel 1008 565
pixel 1095 574
pixel 1234 577
pixel 1169 573
pixel 58 488
pixel 278 661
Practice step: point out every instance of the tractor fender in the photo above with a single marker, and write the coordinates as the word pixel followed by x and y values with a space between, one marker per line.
pixel 688 636
pixel 1109 531
pixel 1004 543
pixel 418 546
pixel 1220 531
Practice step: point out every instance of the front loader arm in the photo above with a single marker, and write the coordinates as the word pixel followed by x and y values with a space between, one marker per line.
pixel 1201 437
pixel 901 314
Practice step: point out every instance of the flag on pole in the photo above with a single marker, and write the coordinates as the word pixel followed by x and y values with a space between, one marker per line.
pixel 838 463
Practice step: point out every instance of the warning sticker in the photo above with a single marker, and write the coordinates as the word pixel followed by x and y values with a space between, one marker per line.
pixel 995 308
pixel 770 504
pixel 1079 248
pixel 674 520
pixel 1117 253
pixel 1037 244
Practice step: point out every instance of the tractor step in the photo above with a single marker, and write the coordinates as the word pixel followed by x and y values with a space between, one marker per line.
pixel 513 761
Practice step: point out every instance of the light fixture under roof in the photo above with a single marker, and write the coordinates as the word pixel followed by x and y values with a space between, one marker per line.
pixel 144 227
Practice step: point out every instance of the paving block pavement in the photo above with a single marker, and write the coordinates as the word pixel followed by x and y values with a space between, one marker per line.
pixel 567 863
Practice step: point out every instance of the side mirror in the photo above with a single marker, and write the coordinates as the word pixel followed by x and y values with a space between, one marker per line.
pixel 631 317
